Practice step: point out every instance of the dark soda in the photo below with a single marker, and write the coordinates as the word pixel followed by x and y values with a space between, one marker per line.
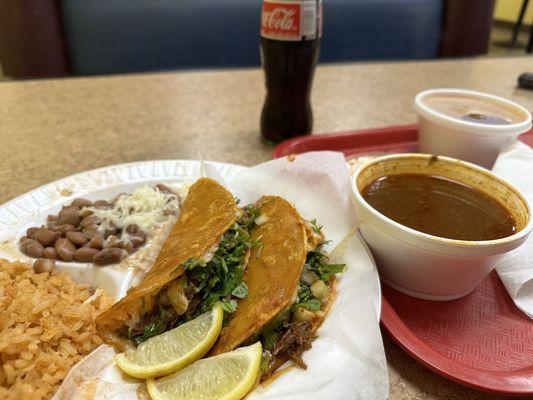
pixel 290 46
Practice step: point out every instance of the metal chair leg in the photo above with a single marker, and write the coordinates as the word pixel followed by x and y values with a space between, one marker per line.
pixel 529 48
pixel 518 25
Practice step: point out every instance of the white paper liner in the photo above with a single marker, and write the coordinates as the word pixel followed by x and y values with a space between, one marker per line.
pixel 347 360
pixel 515 163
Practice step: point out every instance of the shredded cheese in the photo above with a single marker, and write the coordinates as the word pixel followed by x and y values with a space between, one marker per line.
pixel 144 207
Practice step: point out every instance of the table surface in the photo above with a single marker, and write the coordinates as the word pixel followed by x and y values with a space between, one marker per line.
pixel 53 128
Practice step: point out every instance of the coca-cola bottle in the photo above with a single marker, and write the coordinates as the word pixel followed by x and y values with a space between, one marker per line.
pixel 290 45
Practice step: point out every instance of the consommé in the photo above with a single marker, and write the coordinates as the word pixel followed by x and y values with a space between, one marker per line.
pixel 440 207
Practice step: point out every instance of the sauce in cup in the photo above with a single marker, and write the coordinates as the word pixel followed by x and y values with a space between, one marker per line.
pixel 440 207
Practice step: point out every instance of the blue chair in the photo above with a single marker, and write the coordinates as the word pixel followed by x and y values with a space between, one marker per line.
pixel 114 36
pixel 381 29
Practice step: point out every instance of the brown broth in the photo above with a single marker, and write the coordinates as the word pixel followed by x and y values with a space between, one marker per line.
pixel 440 207
pixel 485 119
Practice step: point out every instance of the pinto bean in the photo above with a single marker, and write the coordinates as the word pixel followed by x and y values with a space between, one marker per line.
pixel 65 249
pixel 31 247
pixel 138 239
pixel 88 221
pixel 126 245
pixel 167 212
pixel 44 265
pixel 69 209
pixel 96 242
pixel 165 189
pixel 69 218
pixel 77 238
pixel 132 229
pixel 109 256
pixel 90 231
pixel 46 237
pixel 69 215
pixel 85 212
pixel 81 202
pixel 50 252
pixel 111 230
pixel 85 254
pixel 102 204
pixel 51 225
pixel 111 241
pixel 64 228
pixel 30 232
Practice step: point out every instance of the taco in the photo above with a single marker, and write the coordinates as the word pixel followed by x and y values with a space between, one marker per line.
pixel 290 287
pixel 201 263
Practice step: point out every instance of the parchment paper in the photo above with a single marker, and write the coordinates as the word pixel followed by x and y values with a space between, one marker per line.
pixel 515 163
pixel 347 361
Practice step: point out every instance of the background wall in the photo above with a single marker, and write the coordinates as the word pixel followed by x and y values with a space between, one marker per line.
pixel 508 10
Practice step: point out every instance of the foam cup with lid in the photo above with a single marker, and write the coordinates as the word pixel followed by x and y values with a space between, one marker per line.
pixel 468 125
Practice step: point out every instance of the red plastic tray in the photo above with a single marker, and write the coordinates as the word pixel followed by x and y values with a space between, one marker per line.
pixel 482 340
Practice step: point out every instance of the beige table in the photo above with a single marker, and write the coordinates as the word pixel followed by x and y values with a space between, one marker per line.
pixel 50 129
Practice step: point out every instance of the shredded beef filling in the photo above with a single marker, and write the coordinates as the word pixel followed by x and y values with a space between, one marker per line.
pixel 151 324
pixel 294 339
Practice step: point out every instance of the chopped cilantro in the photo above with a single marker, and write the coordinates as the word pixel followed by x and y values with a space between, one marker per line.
pixel 316 227
pixel 307 300
pixel 192 263
pixel 318 262
pixel 304 293
pixel 221 279
pixel 269 339
pixel 311 304
pixel 265 361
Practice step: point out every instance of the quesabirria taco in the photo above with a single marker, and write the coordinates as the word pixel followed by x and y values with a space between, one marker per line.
pixel 201 263
pixel 290 287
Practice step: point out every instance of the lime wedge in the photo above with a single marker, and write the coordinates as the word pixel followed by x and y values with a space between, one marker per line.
pixel 227 376
pixel 174 349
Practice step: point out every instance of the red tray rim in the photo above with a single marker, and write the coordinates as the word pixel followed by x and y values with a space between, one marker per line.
pixel 508 383
pixel 517 383
pixel 284 148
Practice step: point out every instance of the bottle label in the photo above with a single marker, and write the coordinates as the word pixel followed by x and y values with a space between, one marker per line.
pixel 291 20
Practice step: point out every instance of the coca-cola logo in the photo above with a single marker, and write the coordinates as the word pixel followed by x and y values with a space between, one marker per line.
pixel 279 19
